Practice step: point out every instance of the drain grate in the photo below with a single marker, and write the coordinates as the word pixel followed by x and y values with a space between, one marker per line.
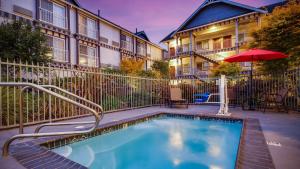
pixel 274 143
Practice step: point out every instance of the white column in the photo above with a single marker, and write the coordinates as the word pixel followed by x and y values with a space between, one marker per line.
pixel 176 47
pixel 237 35
pixel 223 96
pixel 259 21
pixel 191 53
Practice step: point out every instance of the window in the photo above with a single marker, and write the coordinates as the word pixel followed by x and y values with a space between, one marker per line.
pixel 126 42
pixel 58 49
pixel 141 48
pixel 53 13
pixel 205 66
pixel 227 42
pixel 217 43
pixel 87 27
pixel 241 37
pixel 88 56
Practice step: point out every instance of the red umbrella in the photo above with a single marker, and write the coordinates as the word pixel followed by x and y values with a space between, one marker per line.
pixel 255 55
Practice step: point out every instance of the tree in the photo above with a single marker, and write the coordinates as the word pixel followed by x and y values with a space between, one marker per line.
pixel 132 66
pixel 162 68
pixel 21 42
pixel 228 69
pixel 280 31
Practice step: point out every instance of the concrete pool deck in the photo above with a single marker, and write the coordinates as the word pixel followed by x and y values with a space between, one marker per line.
pixel 277 128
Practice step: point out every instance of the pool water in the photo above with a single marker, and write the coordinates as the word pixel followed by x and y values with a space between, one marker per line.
pixel 163 143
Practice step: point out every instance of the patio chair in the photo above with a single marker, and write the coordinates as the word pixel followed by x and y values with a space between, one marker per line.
pixel 276 98
pixel 176 97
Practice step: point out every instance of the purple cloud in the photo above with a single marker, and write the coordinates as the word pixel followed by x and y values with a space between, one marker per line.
pixel 156 17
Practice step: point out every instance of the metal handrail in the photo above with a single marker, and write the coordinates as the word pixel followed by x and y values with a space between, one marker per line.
pixel 77 97
pixel 43 89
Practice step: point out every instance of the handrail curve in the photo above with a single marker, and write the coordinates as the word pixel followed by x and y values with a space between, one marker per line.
pixel 6 145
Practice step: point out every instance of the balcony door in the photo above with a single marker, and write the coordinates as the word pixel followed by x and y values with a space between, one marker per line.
pixel 227 43
pixel 217 43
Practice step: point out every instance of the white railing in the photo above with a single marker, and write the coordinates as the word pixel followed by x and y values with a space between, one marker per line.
pixel 52 18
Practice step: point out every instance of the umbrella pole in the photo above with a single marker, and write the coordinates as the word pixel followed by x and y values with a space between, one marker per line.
pixel 251 85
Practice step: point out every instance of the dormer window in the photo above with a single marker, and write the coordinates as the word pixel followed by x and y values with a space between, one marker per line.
pixel 53 13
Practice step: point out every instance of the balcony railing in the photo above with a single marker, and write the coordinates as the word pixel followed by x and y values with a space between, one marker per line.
pixel 194 71
pixel 183 48
pixel 52 18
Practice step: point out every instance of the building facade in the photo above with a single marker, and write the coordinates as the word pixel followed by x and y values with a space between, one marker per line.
pixel 216 30
pixel 79 37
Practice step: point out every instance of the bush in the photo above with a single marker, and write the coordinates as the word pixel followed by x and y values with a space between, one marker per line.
pixel 21 42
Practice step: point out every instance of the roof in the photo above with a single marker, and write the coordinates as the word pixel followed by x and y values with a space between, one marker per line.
pixel 142 34
pixel 271 7
pixel 106 20
pixel 168 37
pixel 75 2
pixel 217 10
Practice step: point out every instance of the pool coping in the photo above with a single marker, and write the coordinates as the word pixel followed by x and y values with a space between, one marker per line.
pixel 252 150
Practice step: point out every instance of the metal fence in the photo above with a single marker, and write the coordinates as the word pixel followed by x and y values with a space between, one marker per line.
pixel 118 92
pixel 112 91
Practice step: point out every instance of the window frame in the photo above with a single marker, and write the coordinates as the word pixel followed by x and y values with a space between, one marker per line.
pixel 87 56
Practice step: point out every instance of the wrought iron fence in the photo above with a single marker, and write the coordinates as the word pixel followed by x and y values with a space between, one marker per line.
pixel 112 91
pixel 118 92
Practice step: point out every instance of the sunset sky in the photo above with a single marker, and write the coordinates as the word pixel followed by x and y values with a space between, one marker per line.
pixel 156 17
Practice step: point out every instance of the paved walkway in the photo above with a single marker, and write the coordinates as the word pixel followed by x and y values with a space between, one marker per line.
pixel 277 127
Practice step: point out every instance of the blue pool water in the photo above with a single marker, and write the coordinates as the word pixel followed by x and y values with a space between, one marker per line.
pixel 163 143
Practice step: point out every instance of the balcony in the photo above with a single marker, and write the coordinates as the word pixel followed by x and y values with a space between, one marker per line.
pixel 185 48
pixel 186 71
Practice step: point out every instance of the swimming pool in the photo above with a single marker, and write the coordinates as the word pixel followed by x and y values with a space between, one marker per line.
pixel 161 143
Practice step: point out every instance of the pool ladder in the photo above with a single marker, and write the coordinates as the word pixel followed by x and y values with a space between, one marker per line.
pixel 93 108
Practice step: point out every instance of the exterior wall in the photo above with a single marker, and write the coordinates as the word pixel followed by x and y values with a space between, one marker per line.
pixel 7 6
pixel 109 51
pixel 109 57
pixel 109 32
pixel 156 53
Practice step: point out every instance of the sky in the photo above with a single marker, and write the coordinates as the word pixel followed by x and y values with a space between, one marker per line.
pixel 156 17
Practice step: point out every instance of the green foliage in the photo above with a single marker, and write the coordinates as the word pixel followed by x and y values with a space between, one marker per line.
pixel 147 73
pixel 113 71
pixel 20 42
pixel 228 69
pixel 280 31
pixel 162 68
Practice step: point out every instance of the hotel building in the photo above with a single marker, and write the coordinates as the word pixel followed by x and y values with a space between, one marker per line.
pixel 78 37
pixel 217 29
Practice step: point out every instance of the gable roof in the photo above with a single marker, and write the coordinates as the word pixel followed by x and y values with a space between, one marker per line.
pixel 271 7
pixel 227 9
pixel 168 37
pixel 143 35
pixel 75 2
